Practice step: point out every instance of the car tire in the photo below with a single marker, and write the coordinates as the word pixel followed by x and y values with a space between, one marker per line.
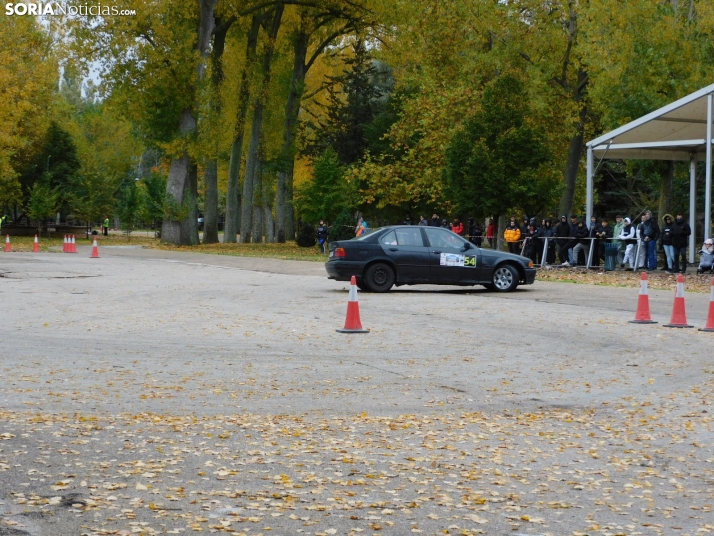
pixel 379 277
pixel 505 278
pixel 362 286
pixel 489 286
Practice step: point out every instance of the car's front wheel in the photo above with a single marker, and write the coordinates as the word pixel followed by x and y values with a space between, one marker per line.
pixel 379 277
pixel 362 286
pixel 505 278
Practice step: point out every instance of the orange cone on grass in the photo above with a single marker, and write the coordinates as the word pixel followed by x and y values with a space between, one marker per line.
pixel 642 316
pixel 72 244
pixel 36 246
pixel 8 246
pixel 679 313
pixel 353 324
pixel 710 317
pixel 95 250
pixel 64 244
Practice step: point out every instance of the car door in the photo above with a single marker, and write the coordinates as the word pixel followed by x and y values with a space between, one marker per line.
pixel 405 246
pixel 449 261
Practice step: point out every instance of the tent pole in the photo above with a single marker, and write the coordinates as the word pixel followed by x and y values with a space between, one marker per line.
pixel 708 186
pixel 589 186
pixel 692 205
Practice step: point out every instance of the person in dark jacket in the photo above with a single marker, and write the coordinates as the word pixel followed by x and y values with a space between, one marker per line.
pixel 422 221
pixel 680 236
pixel 650 233
pixel 583 243
pixel 604 234
pixel 407 220
pixel 666 241
pixel 593 229
pixel 322 231
pixel 435 221
pixel 547 231
pixel 475 233
pixel 532 243
pixel 562 232
pixel 445 224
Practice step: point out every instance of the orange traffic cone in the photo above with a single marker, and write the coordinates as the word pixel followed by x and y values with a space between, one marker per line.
pixel 8 246
pixel 710 318
pixel 72 244
pixel 679 313
pixel 642 316
pixel 95 250
pixel 36 246
pixel 64 245
pixel 353 324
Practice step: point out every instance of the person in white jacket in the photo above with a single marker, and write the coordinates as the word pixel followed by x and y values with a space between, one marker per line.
pixel 628 238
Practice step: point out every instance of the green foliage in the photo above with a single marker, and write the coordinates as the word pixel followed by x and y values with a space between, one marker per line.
pixel 306 236
pixel 44 201
pixel 90 197
pixel 328 193
pixel 344 226
pixel 354 103
pixel 152 191
pixel 500 160
pixel 128 206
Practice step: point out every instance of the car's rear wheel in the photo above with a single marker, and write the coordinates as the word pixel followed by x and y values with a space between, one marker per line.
pixel 379 277
pixel 505 278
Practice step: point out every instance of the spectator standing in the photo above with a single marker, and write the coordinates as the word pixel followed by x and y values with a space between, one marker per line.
pixel 407 220
pixel 422 221
pixel 627 235
pixel 582 243
pixel 548 231
pixel 706 261
pixel 322 231
pixel 532 243
pixel 680 236
pixel 666 238
pixel 617 231
pixel 475 233
pixel 491 233
pixel 435 221
pixel 593 230
pixel 573 227
pixel 512 235
pixel 604 233
pixel 106 225
pixel 562 232
pixel 651 235
pixel 458 227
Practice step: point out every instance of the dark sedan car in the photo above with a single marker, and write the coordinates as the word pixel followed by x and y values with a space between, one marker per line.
pixel 412 255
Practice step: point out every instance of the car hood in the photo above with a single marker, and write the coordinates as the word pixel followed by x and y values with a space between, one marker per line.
pixel 502 255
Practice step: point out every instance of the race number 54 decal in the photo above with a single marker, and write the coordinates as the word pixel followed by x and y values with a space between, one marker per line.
pixel 470 260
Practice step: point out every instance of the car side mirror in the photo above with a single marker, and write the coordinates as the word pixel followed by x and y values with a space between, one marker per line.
pixel 466 246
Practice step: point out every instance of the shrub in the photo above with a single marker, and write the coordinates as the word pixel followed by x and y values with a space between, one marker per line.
pixel 306 236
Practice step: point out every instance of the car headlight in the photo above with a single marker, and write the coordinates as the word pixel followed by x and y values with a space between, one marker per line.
pixel 530 264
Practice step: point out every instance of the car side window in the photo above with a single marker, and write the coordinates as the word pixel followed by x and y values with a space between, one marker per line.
pixel 389 239
pixel 409 237
pixel 440 238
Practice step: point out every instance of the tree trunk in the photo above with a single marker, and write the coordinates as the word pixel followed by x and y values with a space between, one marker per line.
pixel 210 177
pixel 257 230
pixel 182 185
pixel 666 189
pixel 177 183
pixel 289 209
pixel 256 129
pixel 572 165
pixel 283 202
pixel 500 227
pixel 210 217
pixel 233 198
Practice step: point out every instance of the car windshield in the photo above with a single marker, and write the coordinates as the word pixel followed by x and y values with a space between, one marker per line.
pixel 368 233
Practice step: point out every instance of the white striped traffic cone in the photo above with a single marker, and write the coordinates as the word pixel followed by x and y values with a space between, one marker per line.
pixel 65 245
pixel 642 316
pixel 353 324
pixel 36 246
pixel 710 317
pixel 679 311
pixel 95 250
pixel 72 244
pixel 8 246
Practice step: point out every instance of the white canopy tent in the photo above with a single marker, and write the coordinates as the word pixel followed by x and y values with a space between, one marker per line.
pixel 679 131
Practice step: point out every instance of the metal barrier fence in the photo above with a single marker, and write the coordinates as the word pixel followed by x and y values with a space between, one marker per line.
pixel 588 263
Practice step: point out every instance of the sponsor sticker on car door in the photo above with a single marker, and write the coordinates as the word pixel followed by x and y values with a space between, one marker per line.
pixel 453 259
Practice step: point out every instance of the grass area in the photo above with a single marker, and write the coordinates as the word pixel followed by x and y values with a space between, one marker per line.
pixel 25 243
pixel 289 250
pixel 620 278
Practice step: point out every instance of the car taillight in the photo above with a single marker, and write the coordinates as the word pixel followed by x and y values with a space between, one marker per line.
pixel 340 252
